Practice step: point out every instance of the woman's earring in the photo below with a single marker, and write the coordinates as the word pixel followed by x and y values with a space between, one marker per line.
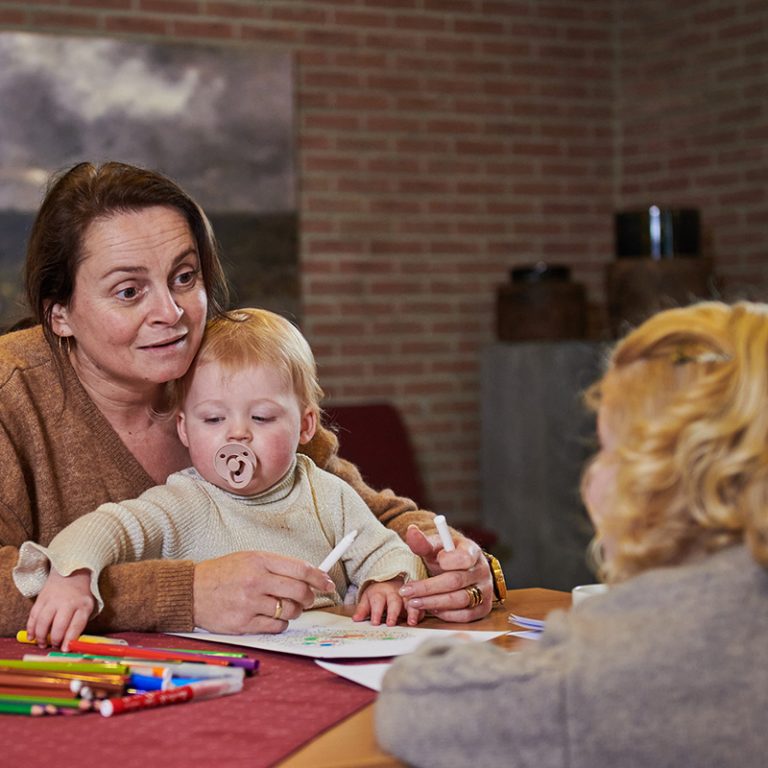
pixel 65 345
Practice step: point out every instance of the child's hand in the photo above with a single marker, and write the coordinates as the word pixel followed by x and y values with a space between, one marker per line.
pixel 380 598
pixel 62 609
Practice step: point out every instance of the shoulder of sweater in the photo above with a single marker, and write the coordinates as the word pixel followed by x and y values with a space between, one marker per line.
pixel 731 568
pixel 677 601
pixel 321 476
pixel 183 485
pixel 186 481
pixel 23 351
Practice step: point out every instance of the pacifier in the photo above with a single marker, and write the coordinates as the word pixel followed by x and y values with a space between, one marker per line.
pixel 235 464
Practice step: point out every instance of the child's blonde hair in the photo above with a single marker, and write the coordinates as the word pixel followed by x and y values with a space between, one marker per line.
pixel 243 337
pixel 685 397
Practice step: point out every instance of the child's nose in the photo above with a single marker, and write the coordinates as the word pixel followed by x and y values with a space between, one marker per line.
pixel 240 430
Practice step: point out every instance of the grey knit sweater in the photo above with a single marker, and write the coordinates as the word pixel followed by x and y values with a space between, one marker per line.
pixel 668 670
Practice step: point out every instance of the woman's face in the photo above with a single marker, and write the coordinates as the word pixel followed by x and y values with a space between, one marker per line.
pixel 139 305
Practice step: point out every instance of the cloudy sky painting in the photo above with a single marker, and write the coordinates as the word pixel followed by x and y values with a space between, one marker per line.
pixel 219 120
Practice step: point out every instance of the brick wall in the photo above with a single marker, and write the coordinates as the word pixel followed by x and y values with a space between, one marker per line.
pixel 694 128
pixel 443 141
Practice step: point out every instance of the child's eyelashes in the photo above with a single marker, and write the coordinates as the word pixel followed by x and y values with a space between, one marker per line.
pixel 221 419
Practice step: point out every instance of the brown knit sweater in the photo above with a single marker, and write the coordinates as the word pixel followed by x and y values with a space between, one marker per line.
pixel 60 458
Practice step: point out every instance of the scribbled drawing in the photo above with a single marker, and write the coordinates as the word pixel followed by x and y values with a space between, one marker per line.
pixel 325 635
pixel 334 638
pixel 331 638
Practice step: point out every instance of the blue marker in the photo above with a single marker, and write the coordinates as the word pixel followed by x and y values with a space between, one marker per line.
pixel 147 682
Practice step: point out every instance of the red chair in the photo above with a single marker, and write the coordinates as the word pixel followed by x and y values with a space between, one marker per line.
pixel 373 436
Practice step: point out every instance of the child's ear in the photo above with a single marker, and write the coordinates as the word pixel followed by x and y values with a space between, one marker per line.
pixel 60 321
pixel 308 426
pixel 181 428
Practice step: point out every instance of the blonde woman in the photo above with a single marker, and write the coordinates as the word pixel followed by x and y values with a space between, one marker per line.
pixel 670 667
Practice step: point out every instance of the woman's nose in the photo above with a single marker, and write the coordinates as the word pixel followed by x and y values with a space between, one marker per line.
pixel 165 309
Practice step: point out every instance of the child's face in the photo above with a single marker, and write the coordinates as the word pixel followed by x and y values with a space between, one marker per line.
pixel 254 407
pixel 599 484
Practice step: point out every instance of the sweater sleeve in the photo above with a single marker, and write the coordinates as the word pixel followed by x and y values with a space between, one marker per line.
pixel 164 522
pixel 517 702
pixel 150 596
pixel 15 607
pixel 377 553
pixel 16 525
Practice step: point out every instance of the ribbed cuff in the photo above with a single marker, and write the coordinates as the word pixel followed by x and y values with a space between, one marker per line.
pixel 174 602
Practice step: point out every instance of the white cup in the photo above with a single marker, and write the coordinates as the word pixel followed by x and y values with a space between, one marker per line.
pixel 583 591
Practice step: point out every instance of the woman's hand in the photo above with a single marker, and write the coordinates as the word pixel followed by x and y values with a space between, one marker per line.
pixel 254 592
pixel 447 593
pixel 62 609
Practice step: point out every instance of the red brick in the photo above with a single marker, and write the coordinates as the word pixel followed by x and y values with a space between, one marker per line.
pixel 205 29
pixel 362 19
pixel 270 35
pixel 68 20
pixel 421 23
pixel 307 14
pixel 102 5
pixel 169 7
pixel 11 17
pixel 240 11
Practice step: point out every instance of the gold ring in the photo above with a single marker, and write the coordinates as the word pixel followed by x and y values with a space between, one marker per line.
pixel 475 595
pixel 278 609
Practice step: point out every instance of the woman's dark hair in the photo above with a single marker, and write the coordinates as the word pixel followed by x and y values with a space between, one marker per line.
pixel 85 193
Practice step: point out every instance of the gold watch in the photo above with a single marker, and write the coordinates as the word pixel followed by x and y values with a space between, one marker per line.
pixel 499 584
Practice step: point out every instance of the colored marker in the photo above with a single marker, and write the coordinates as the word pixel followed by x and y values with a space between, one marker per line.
pixel 147 682
pixel 335 554
pixel 445 534
pixel 23 637
pixel 63 665
pixel 157 668
pixel 138 652
pixel 21 708
pixel 206 689
pixel 32 698
pixel 207 652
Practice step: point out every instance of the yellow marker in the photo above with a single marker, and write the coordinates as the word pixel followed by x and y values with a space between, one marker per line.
pixel 21 636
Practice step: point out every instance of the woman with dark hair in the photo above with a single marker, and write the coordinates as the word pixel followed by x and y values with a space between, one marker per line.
pixel 122 273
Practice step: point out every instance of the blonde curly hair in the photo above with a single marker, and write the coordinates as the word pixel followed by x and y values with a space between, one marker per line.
pixel 685 397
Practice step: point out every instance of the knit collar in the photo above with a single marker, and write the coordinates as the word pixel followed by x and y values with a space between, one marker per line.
pixel 277 492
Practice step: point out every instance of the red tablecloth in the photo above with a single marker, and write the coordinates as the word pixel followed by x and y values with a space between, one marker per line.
pixel 289 702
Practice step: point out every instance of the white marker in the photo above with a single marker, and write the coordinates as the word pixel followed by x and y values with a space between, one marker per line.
pixel 445 534
pixel 335 554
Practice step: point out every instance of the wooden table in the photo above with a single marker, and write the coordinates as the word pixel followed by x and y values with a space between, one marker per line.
pixel 352 743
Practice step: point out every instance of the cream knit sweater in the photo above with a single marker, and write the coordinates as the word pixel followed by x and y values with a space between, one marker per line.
pixel 188 518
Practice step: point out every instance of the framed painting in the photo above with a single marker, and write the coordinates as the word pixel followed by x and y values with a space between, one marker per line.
pixel 217 119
